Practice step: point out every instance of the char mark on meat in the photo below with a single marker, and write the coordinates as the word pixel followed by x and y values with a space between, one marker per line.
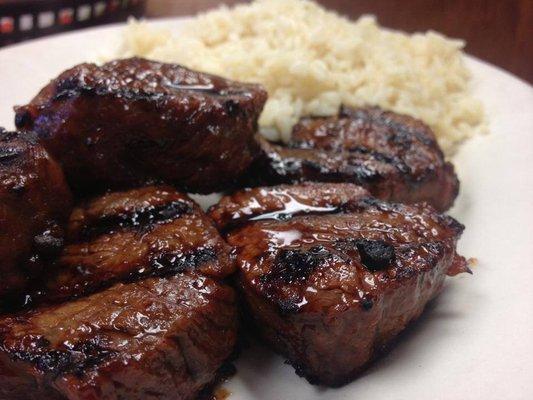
pixel 296 265
pixel 142 220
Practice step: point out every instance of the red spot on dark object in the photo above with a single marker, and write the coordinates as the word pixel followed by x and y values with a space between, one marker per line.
pixel 7 25
pixel 66 16
pixel 113 5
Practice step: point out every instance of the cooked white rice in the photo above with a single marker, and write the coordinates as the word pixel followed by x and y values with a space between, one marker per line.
pixel 312 60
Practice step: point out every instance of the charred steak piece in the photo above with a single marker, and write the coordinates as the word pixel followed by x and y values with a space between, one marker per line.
pixel 122 236
pixel 34 204
pixel 331 287
pixel 131 121
pixel 395 157
pixel 160 338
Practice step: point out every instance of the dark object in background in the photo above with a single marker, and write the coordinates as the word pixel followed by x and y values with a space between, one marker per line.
pixel 394 156
pixel 134 121
pixel 35 203
pixel 319 277
pixel 26 19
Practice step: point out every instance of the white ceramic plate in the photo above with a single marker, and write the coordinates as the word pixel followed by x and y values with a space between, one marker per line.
pixel 476 340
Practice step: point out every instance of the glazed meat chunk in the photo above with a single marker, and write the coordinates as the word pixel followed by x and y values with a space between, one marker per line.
pixel 331 278
pixel 133 121
pixel 34 205
pixel 160 338
pixel 123 236
pixel 283 202
pixel 395 157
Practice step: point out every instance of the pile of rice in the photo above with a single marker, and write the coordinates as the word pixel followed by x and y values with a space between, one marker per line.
pixel 312 60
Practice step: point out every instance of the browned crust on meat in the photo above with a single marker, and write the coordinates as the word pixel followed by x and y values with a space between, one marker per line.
pixel 283 202
pixel 134 121
pixel 157 338
pixel 35 202
pixel 330 289
pixel 124 236
pixel 394 156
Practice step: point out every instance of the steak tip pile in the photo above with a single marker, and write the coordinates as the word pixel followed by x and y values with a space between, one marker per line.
pixel 132 307
pixel 118 291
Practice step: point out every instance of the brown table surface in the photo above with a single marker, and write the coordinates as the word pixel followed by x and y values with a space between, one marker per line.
pixel 497 31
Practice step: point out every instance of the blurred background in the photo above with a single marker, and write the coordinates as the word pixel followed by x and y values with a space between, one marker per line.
pixel 498 31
